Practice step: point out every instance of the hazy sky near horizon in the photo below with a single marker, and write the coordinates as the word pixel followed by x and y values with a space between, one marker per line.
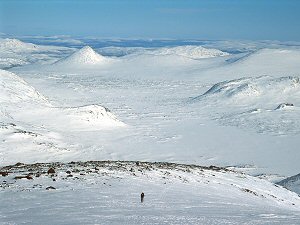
pixel 185 19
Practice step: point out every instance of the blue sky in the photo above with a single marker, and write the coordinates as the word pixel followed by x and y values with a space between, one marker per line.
pixel 186 19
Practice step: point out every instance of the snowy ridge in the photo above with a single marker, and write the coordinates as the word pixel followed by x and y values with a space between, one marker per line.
pixel 189 51
pixel 16 45
pixel 254 86
pixel 291 183
pixel 85 56
pixel 14 89
pixel 269 56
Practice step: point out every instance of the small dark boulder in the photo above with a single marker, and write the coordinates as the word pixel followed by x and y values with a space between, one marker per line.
pixel 284 105
pixel 3 173
pixel 51 170
pixel 28 177
pixel 50 188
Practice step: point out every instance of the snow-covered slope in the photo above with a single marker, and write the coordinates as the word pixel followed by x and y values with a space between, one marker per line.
pixel 273 62
pixel 271 58
pixel 265 104
pixel 85 56
pixel 109 192
pixel 291 183
pixel 14 89
pixel 30 124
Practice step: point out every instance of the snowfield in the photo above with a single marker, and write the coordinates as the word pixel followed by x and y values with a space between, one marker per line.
pixel 185 104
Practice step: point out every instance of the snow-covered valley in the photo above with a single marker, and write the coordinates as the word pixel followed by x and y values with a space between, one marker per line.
pixel 184 104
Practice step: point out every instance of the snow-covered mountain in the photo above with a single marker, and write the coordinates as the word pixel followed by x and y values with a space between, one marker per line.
pixel 16 45
pixel 85 56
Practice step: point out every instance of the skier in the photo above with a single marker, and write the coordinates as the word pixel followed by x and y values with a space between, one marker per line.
pixel 142 197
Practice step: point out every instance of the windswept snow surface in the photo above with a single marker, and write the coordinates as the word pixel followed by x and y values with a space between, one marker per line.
pixel 109 193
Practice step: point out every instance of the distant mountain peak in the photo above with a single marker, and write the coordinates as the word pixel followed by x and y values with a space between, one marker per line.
pixel 84 56
pixel 15 44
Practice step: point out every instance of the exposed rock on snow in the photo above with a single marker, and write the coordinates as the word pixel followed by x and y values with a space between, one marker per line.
pixel 85 56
